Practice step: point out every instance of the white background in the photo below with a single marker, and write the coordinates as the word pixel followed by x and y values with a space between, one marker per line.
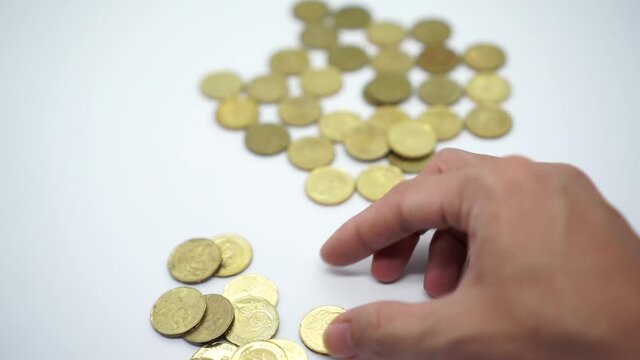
pixel 110 156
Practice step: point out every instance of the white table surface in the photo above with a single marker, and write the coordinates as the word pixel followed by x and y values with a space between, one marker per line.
pixel 110 156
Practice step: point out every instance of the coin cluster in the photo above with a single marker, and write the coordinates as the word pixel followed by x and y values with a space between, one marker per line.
pixel 241 322
pixel 408 143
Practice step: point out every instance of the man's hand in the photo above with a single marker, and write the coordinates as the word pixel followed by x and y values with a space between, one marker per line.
pixel 529 262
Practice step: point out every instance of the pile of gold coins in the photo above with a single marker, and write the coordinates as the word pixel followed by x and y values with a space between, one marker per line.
pixel 390 132
pixel 241 322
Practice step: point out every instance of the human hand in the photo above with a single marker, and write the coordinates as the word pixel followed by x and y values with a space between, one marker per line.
pixel 553 271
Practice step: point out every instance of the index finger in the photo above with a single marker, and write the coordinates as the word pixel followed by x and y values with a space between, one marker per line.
pixel 425 202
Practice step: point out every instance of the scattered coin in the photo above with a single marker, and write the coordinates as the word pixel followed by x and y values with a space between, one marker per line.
pixel 389 88
pixel 386 90
pixel 484 57
pixel 366 142
pixel 488 121
pixel 315 323
pixel 260 350
pixel 366 94
pixel 236 254
pixel 268 88
pixel 431 32
pixel 311 152
pixel 267 139
pixel 440 90
pixel 293 350
pixel 385 33
pixel 412 139
pixel 444 121
pixel 387 116
pixel 237 112
pixel 255 319
pixel 178 311
pixel 216 351
pixel 392 60
pixel 289 62
pixel 300 110
pixel 438 59
pixel 329 186
pixel 217 319
pixel 322 82
pixel 347 58
pixel 488 88
pixel 194 261
pixel 310 10
pixel 374 182
pixel 337 124
pixel 409 166
pixel 251 285
pixel 352 17
pixel 221 85
pixel 319 36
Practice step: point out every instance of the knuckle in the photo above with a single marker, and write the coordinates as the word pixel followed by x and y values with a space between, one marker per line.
pixel 444 159
pixel 515 170
pixel 571 173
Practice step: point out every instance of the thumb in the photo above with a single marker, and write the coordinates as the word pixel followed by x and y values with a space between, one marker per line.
pixel 388 330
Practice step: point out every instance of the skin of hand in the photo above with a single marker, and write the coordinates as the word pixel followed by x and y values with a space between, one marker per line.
pixel 528 261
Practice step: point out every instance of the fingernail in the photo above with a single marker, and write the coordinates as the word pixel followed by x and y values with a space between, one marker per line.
pixel 337 338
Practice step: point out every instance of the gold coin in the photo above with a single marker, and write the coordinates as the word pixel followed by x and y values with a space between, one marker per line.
pixel 409 166
pixel 366 142
pixel 311 152
pixel 266 139
pixel 335 125
pixel 221 85
pixel 300 110
pixel 389 89
pixel 237 113
pixel 375 181
pixel 488 88
pixel 366 93
pixel 268 88
pixel 194 261
pixel 347 58
pixel 352 17
pixel 255 319
pixel 236 254
pixel 319 36
pixel 322 82
pixel 329 186
pixel 387 116
pixel 216 320
pixel 289 62
pixel 440 90
pixel 438 59
pixel 385 33
pixel 431 32
pixel 314 324
pixel 216 351
pixel 412 139
pixel 251 285
pixel 484 57
pixel 444 121
pixel 310 10
pixel 178 311
pixel 392 60
pixel 488 121
pixel 293 350
pixel 260 350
